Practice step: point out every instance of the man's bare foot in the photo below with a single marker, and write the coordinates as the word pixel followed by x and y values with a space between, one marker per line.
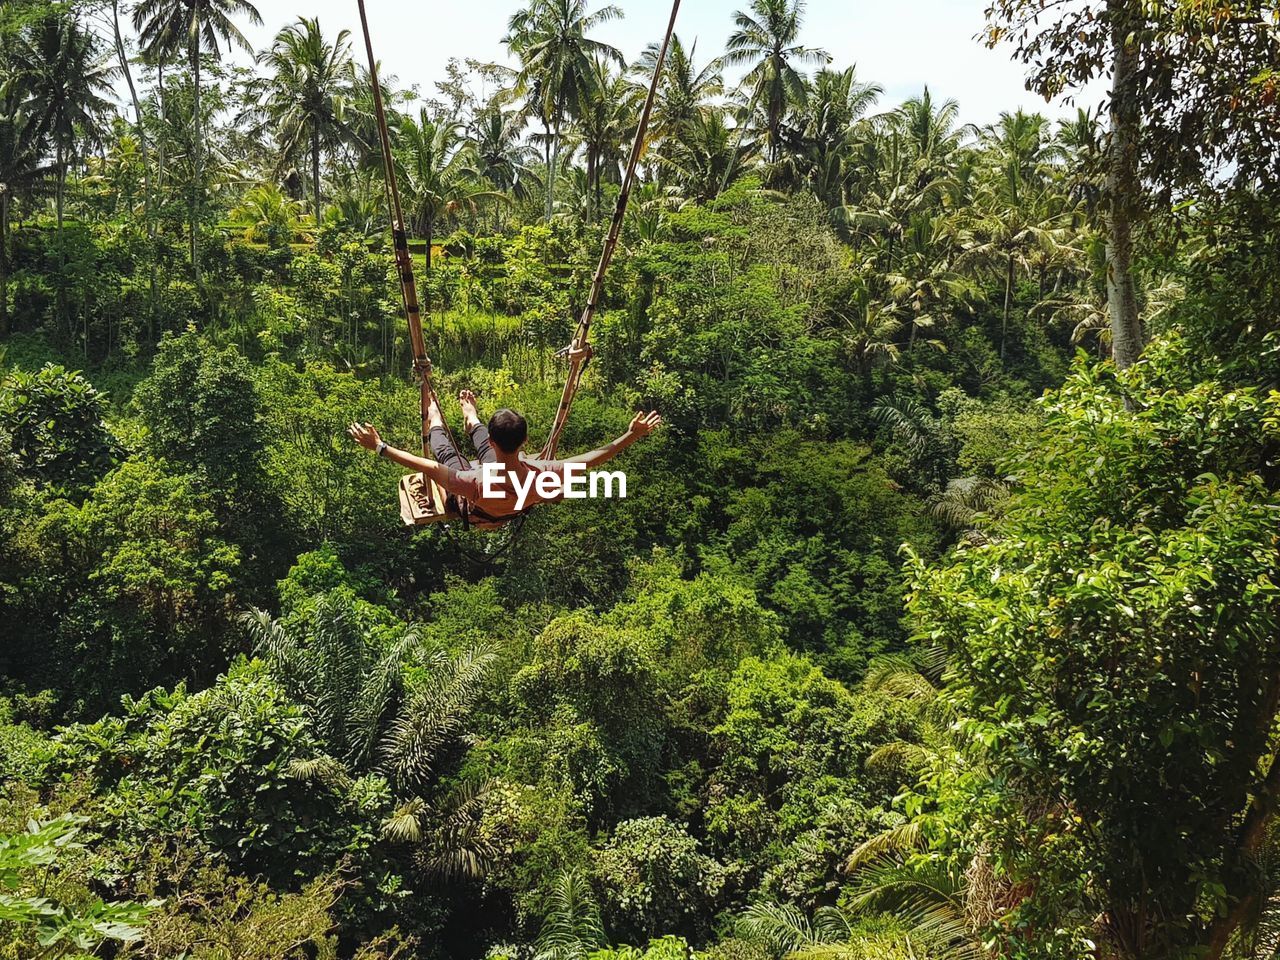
pixel 434 417
pixel 467 400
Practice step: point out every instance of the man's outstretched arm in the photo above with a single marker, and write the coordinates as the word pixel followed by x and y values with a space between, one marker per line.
pixel 365 435
pixel 641 426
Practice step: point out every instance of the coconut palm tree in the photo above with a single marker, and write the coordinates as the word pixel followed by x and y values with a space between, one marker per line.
pixel 821 140
pixel 707 156
pixel 888 193
pixel 557 66
pixel 306 97
pixel 1015 224
pixel 501 156
pixel 436 174
pixel 64 81
pixel 1079 142
pixel 929 133
pixel 868 335
pixel 606 126
pixel 766 41
pixel 685 92
pixel 167 27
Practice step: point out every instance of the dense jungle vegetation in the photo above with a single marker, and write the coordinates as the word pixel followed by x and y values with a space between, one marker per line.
pixel 942 621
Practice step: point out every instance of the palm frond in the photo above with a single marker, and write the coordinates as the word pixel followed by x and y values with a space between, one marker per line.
pixel 433 716
pixel 572 928
pixel 896 841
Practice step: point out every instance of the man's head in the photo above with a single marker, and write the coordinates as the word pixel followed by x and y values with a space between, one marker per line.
pixel 508 431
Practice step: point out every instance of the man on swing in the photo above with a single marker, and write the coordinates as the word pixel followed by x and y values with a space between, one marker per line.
pixel 502 443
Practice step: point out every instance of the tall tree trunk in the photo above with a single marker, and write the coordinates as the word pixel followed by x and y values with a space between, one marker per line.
pixel 1008 305
pixel 737 146
pixel 164 114
pixel 4 260
pixel 1122 190
pixel 60 190
pixel 197 155
pixel 147 216
pixel 551 171
pixel 546 157
pixel 315 175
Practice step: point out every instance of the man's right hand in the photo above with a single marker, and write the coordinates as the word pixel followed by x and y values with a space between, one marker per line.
pixel 645 423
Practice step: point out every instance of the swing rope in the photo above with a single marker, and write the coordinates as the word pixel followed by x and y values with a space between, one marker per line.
pixel 578 349
pixel 577 358
pixel 404 261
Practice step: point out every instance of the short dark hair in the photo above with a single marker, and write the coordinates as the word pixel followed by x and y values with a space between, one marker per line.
pixel 508 430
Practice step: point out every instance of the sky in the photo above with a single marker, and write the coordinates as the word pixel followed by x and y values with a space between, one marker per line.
pixel 903 45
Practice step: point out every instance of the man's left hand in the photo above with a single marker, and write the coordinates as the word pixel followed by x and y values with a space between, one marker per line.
pixel 365 435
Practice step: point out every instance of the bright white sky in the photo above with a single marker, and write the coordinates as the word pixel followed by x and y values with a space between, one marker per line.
pixel 901 44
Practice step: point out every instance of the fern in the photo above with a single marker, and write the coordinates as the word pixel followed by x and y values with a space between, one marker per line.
pixel 924 894
pixel 572 928
pixel 457 847
pixel 432 716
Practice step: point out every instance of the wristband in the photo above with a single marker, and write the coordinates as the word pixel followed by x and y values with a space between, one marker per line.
pixel 382 448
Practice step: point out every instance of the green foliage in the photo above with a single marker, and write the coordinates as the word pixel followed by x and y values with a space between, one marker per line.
pixel 54 419
pixel 128 588
pixel 656 879
pixel 788 797
pixel 200 406
pixel 32 864
pixel 216 765
pixel 1113 645
pixel 572 929
pixel 687 718
pixel 591 700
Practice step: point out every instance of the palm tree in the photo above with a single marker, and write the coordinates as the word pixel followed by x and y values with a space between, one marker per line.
pixel 356 695
pixel 198 26
pixel 1014 225
pixel 21 169
pixel 557 66
pixel 868 335
pixel 329 666
pixel 766 41
pixel 572 928
pixel 705 158
pixel 785 930
pixel 684 93
pixel 65 80
pixel 929 134
pixel 268 215
pixel 306 98
pixel 823 136
pixel 370 718
pixel 501 156
pixel 890 195
pixel 1079 142
pixel 650 204
pixel 358 204
pixel 436 174
pixel 606 126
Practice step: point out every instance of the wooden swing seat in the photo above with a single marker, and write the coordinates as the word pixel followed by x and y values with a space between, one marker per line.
pixel 423 502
